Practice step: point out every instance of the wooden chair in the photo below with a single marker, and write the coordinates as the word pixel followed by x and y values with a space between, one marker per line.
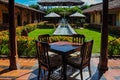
pixel 44 38
pixel 78 38
pixel 45 61
pixel 82 61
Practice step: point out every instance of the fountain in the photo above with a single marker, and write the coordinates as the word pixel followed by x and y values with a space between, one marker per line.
pixel 64 28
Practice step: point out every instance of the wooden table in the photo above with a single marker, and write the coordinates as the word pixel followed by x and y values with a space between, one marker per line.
pixel 63 49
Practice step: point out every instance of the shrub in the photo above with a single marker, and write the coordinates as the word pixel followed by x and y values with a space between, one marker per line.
pixel 24 32
pixel 46 26
pixel 114 47
pixel 26 47
pixel 30 27
pixel 4 45
pixel 19 30
pixel 60 38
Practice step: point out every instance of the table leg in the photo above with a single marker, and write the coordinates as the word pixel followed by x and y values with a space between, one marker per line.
pixel 64 67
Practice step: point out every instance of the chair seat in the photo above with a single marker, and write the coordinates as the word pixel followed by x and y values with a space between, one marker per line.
pixel 77 53
pixel 55 60
pixel 74 61
pixel 52 54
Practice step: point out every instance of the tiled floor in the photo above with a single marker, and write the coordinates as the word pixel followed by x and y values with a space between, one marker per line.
pixel 113 72
pixel 22 73
pixel 28 70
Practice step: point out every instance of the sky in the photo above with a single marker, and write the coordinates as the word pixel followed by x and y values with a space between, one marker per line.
pixel 29 2
pixel 89 2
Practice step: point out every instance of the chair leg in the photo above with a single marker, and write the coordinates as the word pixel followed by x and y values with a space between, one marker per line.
pixel 39 71
pixel 81 74
pixel 49 72
pixel 44 72
pixel 89 70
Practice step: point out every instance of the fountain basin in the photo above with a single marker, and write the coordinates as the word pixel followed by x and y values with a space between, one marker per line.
pixel 64 30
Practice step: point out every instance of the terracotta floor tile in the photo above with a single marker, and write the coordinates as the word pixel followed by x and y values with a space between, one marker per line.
pixel 4 62
pixel 18 74
pixel 114 62
pixel 24 74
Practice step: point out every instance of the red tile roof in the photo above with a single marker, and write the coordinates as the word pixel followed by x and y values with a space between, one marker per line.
pixel 113 4
pixel 60 2
pixel 22 6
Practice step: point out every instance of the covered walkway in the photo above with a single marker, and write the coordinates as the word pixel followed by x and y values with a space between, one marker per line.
pixel 29 69
pixel 21 72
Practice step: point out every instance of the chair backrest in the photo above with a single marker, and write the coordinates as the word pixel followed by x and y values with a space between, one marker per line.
pixel 44 37
pixel 86 51
pixel 78 38
pixel 42 53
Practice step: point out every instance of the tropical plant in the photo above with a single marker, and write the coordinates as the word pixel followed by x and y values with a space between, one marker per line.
pixel 114 47
pixel 65 11
pixel 35 6
pixel 84 7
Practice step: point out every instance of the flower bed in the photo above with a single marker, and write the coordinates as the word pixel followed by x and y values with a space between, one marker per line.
pixel 25 45
pixel 60 38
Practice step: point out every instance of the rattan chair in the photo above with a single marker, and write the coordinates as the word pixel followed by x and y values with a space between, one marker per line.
pixel 82 61
pixel 46 61
pixel 44 37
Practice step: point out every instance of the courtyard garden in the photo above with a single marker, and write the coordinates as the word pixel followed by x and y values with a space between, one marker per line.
pixel 26 44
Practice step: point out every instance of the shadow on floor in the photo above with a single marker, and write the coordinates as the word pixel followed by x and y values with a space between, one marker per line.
pixel 73 75
pixel 5 71
pixel 98 75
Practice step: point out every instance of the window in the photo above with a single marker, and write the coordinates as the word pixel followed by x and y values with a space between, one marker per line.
pixel 112 19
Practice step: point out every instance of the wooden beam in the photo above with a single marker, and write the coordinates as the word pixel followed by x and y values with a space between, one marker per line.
pixel 12 36
pixel 103 62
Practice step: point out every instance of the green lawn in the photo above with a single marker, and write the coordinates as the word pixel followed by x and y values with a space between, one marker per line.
pixel 34 34
pixel 89 34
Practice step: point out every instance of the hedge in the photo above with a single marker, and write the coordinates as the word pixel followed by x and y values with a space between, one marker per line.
pixel 25 45
pixel 45 25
